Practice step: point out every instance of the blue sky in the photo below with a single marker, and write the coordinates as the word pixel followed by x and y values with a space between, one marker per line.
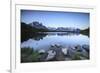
pixel 56 19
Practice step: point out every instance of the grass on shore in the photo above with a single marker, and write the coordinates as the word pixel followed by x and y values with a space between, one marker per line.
pixel 29 55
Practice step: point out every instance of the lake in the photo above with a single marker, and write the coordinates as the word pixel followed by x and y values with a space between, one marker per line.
pixel 65 39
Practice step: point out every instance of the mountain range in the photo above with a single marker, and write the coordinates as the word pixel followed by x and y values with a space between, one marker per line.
pixel 39 26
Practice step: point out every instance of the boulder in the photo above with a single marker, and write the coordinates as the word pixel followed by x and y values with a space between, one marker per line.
pixel 51 55
pixel 71 52
pixel 41 51
pixel 64 50
pixel 86 47
pixel 78 48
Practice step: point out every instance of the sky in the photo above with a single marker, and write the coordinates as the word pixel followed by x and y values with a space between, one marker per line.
pixel 56 19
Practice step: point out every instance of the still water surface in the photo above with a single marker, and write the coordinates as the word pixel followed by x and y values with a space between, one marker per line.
pixel 51 38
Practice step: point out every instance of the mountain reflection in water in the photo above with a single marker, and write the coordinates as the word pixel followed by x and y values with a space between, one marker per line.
pixel 43 40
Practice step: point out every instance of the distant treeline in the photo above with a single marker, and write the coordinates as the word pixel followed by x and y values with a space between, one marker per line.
pixel 27 31
pixel 85 31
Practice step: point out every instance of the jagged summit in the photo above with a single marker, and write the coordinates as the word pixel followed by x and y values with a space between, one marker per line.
pixel 37 25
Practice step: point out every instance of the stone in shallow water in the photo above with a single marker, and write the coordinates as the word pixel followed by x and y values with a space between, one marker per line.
pixel 86 47
pixel 78 48
pixel 70 52
pixel 85 54
pixel 51 54
pixel 64 50
pixel 73 47
pixel 41 51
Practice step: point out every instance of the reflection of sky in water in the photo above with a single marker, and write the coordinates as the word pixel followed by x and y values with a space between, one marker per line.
pixel 65 40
